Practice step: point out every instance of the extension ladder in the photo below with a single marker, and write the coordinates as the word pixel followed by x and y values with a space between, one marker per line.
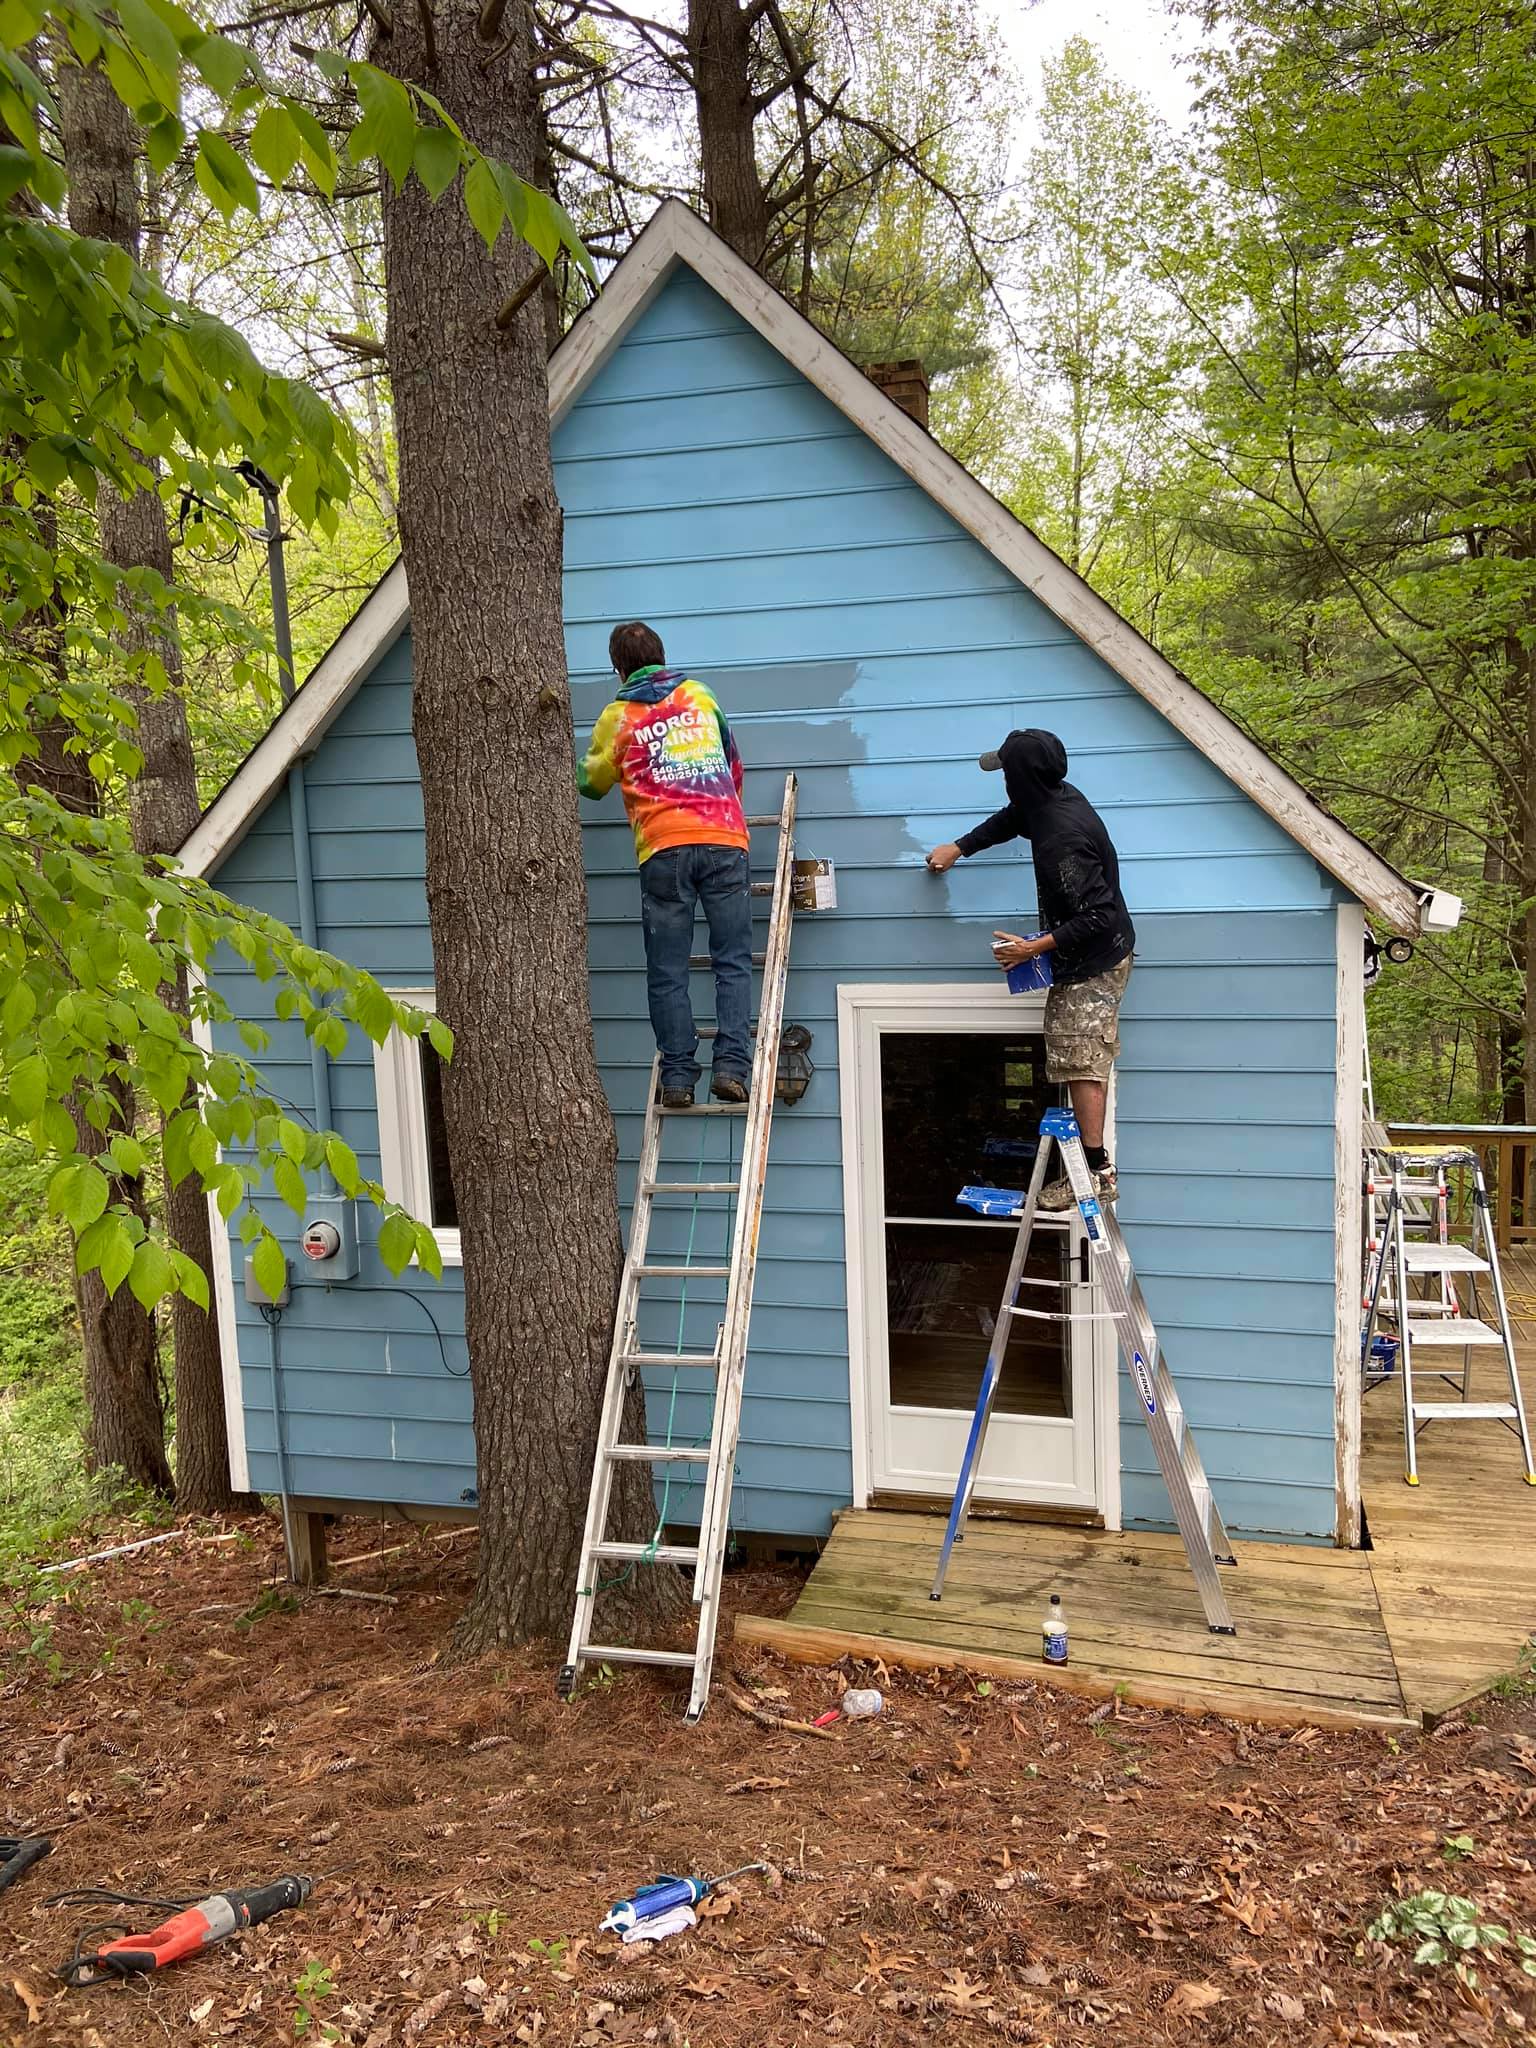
pixel 1194 1506
pixel 1429 1316
pixel 724 1366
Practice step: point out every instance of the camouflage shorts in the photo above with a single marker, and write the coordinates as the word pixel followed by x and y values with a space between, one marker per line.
pixel 1082 1026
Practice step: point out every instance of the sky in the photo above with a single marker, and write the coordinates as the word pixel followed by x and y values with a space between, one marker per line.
pixel 1139 40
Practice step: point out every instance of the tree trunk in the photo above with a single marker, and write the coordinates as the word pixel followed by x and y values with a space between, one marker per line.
pixel 720 51
pixel 101 148
pixel 122 1350
pixel 122 1377
pixel 530 1136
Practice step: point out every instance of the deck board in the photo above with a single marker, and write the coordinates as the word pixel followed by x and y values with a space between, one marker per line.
pixel 1454 1558
pixel 1432 1615
pixel 1310 1642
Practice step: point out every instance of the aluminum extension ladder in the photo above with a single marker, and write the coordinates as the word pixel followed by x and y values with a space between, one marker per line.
pixel 1429 1316
pixel 724 1366
pixel 1194 1506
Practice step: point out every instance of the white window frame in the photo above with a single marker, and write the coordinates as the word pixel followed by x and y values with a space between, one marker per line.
pixel 403 1163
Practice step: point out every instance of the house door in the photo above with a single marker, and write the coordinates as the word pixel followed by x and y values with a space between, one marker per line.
pixel 944 1100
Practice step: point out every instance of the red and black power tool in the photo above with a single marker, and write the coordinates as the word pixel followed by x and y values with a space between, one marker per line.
pixel 193 1925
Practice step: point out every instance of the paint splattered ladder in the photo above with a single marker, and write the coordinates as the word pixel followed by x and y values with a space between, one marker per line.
pixel 726 1364
pixel 1194 1507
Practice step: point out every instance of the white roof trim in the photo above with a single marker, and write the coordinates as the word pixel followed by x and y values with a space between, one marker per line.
pixel 675 235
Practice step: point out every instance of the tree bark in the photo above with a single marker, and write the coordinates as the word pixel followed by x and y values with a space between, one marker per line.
pixel 720 53
pixel 101 147
pixel 531 1139
pixel 118 1337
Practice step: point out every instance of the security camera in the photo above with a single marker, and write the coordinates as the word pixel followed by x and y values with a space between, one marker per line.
pixel 1439 910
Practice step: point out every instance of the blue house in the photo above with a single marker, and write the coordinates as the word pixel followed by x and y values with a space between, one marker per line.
pixel 873 620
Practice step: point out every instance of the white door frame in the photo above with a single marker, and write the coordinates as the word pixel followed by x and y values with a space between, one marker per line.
pixel 932 1007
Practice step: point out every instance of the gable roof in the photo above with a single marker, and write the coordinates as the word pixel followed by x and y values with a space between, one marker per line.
pixel 676 236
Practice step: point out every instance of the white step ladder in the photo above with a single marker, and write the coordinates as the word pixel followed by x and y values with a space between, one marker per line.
pixel 724 1366
pixel 1194 1507
pixel 1415 1286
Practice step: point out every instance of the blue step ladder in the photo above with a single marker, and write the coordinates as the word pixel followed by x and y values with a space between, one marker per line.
pixel 1194 1507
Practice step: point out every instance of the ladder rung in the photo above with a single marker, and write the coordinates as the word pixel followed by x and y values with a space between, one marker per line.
pixel 701 1361
pixel 597 1653
pixel 647 1553
pixel 657 1454
pixel 1056 1315
pixel 762 888
pixel 1456 1333
pixel 703 959
pixel 710 1109
pixel 689 1187
pixel 1443 1258
pixel 649 1272
pixel 770 818
pixel 1464 1411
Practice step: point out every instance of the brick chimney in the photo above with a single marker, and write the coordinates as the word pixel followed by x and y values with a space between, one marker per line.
pixel 906 382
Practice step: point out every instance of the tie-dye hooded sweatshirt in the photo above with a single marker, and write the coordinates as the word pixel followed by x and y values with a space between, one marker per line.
pixel 667 745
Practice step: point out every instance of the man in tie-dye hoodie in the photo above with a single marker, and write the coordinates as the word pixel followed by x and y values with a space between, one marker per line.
pixel 665 742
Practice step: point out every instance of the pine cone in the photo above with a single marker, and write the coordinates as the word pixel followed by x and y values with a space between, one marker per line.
pixel 1019 1951
pixel 1010 2028
pixel 990 1906
pixel 622 1990
pixel 807 1936
pixel 1090 1978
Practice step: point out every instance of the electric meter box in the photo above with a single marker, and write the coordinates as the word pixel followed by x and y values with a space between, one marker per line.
pixel 328 1242
pixel 257 1295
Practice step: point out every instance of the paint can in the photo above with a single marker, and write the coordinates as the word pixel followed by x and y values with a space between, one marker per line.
pixel 814 886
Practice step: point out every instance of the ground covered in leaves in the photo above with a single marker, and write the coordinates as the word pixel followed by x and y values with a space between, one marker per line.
pixel 979 1863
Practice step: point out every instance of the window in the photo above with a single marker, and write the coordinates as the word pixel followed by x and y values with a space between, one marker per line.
pixel 413 1137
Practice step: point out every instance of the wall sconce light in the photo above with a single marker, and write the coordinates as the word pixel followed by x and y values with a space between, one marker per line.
pixel 795 1069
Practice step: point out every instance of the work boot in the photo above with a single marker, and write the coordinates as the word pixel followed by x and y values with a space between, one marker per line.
pixel 677 1098
pixel 728 1088
pixel 1057 1195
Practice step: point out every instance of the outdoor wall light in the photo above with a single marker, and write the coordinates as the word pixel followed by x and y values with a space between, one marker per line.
pixel 795 1069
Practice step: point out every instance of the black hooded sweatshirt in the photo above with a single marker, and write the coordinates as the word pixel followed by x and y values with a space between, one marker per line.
pixel 1077 873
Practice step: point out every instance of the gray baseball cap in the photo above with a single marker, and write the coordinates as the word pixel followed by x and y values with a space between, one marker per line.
pixel 993 761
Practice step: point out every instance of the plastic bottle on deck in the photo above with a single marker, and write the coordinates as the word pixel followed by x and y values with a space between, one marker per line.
pixel 1053 1633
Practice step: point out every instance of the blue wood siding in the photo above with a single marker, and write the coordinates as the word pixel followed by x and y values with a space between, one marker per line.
pixel 859 637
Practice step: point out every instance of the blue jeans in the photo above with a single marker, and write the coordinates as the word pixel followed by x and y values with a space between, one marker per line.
pixel 673 883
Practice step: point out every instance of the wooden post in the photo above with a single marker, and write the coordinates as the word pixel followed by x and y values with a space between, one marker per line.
pixel 308 1564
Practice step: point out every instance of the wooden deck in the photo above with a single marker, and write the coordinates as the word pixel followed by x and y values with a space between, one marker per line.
pixel 1454 1558
pixel 1388 1637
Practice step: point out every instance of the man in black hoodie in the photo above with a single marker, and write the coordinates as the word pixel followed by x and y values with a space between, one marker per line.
pixel 1085 928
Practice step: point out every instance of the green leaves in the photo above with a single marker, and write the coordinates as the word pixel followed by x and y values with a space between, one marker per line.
pixel 223 175
pixel 388 127
pixel 436 157
pixel 397 1241
pixel 275 143
pixel 270 1265
pixel 483 202
pixel 78 1193
pixel 151 1275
